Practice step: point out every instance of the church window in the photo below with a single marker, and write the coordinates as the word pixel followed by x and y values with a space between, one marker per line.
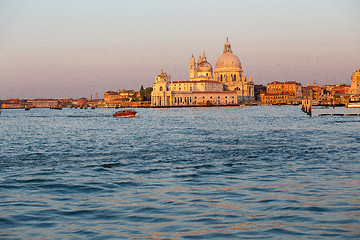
pixel 221 78
pixel 161 88
pixel 234 77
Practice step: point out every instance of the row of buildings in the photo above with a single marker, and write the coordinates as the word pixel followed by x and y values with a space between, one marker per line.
pixel 206 92
pixel 292 92
pixel 226 85
pixel 111 99
pixel 48 103
pixel 229 85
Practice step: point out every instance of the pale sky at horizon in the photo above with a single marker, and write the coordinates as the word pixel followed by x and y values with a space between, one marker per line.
pixel 63 48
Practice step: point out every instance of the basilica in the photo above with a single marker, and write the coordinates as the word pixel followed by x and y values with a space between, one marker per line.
pixel 226 85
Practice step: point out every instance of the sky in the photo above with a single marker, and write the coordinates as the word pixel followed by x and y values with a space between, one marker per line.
pixel 77 48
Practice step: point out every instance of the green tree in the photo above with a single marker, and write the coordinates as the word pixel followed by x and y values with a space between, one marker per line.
pixel 147 94
pixel 134 98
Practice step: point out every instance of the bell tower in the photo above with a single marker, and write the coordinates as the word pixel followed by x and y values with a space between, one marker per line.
pixel 355 82
pixel 192 68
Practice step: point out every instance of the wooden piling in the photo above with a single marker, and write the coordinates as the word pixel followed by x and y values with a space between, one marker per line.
pixel 306 105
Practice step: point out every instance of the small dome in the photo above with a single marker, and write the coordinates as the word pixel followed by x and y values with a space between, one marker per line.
pixel 204 67
pixel 228 59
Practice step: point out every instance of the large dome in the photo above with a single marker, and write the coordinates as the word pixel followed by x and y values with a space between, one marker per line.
pixel 204 67
pixel 228 59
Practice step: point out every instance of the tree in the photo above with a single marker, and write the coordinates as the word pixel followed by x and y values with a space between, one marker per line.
pixel 142 93
pixel 134 98
pixel 145 94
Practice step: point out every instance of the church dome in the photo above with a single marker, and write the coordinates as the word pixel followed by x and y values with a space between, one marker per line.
pixel 228 59
pixel 204 67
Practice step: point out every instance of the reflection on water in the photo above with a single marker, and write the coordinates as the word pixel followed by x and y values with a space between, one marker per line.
pixel 207 173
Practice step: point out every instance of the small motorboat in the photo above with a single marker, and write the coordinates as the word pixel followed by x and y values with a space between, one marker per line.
pixel 125 113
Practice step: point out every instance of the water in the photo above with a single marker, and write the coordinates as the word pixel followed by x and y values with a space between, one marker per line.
pixel 186 173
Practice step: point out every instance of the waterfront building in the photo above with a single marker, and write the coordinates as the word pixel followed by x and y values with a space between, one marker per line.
pixel 43 103
pixel 189 93
pixel 112 97
pixel 258 90
pixel 282 93
pixel 225 86
pixel 319 95
pixel 80 102
pixel 12 103
pixel 355 82
pixel 338 89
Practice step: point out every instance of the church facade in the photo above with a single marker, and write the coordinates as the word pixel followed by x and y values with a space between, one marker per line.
pixel 226 85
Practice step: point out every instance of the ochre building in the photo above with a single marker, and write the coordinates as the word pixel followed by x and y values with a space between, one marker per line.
pixel 227 85
pixel 282 93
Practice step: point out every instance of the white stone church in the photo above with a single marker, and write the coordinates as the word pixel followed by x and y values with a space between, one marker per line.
pixel 227 85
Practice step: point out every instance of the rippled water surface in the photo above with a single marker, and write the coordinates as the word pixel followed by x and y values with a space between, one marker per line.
pixel 186 173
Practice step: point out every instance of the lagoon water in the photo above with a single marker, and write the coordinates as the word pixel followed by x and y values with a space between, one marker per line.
pixel 267 172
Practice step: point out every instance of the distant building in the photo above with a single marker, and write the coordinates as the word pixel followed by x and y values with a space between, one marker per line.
pixel 338 89
pixel 12 103
pixel 80 102
pixel 43 103
pixel 319 95
pixel 258 90
pixel 282 93
pixel 112 97
pixel 185 93
pixel 226 86
pixel 355 82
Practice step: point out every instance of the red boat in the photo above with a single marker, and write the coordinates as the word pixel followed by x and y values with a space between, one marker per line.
pixel 125 113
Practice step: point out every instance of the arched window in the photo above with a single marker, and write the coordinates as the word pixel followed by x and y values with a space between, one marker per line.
pixel 161 88
pixel 221 78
